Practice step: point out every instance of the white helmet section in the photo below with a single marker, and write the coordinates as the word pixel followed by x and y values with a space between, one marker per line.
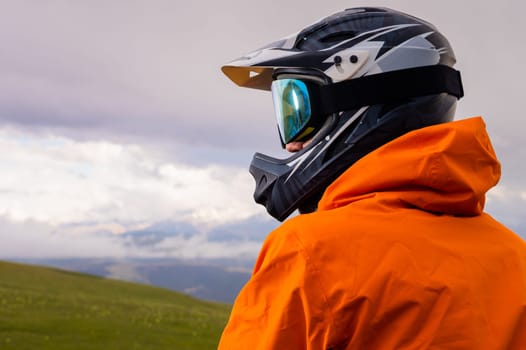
pixel 415 52
pixel 349 62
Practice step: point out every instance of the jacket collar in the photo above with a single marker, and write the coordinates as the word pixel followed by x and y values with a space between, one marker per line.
pixel 446 168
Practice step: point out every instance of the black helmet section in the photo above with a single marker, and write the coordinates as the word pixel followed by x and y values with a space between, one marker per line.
pixel 284 185
pixel 357 24
pixel 353 26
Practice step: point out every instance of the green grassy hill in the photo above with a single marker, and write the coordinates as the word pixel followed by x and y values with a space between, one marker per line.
pixel 44 308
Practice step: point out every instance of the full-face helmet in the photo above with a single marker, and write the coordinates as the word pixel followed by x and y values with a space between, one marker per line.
pixel 348 83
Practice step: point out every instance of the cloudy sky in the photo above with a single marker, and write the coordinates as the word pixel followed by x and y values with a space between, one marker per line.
pixel 115 117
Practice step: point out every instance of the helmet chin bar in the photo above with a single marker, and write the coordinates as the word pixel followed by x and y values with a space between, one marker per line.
pixel 279 181
pixel 298 182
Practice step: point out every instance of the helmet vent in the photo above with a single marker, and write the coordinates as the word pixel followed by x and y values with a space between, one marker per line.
pixel 339 36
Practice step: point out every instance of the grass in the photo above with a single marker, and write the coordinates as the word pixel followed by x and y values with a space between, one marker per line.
pixel 45 308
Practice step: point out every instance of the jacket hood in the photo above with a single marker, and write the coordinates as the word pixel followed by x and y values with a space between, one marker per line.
pixel 445 169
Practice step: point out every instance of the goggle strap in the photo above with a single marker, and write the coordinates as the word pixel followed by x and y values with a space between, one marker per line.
pixel 390 87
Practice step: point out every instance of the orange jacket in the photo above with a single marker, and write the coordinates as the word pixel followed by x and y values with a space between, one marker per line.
pixel 399 255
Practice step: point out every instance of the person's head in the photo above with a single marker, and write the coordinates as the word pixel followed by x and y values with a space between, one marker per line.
pixel 347 84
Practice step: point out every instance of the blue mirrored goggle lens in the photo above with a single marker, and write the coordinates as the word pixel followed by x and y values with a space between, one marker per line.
pixel 292 107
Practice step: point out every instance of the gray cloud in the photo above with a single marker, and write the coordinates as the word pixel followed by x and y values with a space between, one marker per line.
pixel 147 73
pixel 120 68
pixel 152 69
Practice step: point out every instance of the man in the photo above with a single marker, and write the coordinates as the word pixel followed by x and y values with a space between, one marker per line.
pixel 392 249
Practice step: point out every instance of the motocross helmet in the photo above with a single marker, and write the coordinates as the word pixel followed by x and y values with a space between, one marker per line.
pixel 348 83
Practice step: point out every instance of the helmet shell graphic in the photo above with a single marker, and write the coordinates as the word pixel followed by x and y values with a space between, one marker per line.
pixel 363 40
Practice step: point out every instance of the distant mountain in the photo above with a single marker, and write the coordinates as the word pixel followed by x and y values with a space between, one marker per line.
pixel 255 228
pixel 204 278
pixel 214 280
pixel 157 232
pixel 44 308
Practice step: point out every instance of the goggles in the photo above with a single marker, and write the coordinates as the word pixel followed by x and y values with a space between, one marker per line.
pixel 302 105
pixel 293 105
